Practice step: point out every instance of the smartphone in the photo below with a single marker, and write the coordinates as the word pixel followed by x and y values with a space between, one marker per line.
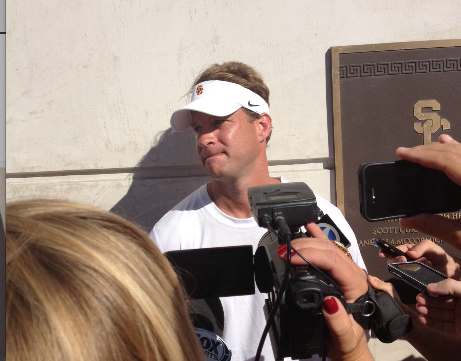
pixel 402 189
pixel 416 274
pixel 215 272
pixel 389 249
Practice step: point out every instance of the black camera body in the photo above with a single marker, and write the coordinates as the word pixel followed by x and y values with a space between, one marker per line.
pixel 299 329
pixel 295 202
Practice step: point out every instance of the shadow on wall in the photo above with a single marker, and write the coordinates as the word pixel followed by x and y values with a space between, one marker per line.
pixel 165 175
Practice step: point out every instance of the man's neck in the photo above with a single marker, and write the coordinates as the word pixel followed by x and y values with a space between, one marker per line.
pixel 231 197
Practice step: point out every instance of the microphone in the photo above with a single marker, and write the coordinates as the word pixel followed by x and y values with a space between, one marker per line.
pixel 207 316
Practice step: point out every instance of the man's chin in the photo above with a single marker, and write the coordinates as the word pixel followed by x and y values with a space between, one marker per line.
pixel 213 170
pixel 215 173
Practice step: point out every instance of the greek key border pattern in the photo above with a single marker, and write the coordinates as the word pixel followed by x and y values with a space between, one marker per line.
pixel 400 67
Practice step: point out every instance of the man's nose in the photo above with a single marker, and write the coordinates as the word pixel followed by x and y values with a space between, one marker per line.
pixel 206 138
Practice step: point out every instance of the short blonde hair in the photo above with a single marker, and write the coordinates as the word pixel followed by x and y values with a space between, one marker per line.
pixel 235 72
pixel 85 284
pixel 241 74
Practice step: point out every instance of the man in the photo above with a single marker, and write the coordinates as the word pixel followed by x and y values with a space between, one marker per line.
pixel 229 114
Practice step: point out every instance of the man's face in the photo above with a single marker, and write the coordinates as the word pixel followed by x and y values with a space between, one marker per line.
pixel 226 146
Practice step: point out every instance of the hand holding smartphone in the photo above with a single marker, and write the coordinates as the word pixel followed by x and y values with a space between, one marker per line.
pixel 416 274
pixel 401 189
pixel 389 249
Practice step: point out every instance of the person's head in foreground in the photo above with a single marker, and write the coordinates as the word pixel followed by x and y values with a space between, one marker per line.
pixel 84 284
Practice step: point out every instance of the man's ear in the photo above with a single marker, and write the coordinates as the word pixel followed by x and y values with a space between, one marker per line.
pixel 264 126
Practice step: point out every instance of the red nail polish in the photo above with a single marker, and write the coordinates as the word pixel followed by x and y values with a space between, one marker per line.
pixel 293 253
pixel 330 305
pixel 282 250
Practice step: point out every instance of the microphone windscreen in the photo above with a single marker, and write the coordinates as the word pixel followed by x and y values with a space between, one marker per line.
pixel 207 314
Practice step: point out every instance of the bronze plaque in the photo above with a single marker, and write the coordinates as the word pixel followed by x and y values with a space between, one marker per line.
pixel 386 96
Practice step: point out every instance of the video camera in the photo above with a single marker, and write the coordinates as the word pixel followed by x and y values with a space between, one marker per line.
pixel 295 293
pixel 298 329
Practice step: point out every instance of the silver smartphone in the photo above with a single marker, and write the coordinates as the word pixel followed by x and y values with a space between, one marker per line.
pixel 416 274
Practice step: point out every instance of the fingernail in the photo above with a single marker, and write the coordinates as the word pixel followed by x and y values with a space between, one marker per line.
pixel 432 287
pixel 403 149
pixel 330 305
pixel 447 137
pixel 282 250
pixel 293 253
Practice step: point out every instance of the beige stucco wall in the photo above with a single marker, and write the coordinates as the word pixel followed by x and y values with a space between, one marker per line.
pixel 91 87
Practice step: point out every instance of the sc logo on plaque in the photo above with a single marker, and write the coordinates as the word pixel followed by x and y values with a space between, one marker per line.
pixel 432 123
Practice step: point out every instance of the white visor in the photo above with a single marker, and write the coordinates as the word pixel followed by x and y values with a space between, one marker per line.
pixel 218 98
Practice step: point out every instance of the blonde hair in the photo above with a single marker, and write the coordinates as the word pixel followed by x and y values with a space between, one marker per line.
pixel 241 74
pixel 235 72
pixel 85 284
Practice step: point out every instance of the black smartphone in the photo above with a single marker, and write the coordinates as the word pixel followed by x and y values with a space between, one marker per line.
pixel 215 272
pixel 416 274
pixel 389 249
pixel 402 189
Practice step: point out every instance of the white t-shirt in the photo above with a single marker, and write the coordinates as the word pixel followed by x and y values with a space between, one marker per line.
pixel 196 222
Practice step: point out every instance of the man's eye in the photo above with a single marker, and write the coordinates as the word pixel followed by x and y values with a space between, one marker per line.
pixel 198 128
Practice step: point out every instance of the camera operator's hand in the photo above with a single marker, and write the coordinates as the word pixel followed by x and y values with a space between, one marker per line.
pixel 348 341
pixel 431 254
pixel 442 314
pixel 323 253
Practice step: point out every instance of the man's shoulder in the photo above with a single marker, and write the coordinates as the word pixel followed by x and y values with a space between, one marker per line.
pixel 336 215
pixel 326 206
pixel 179 220
pixel 195 201
pixel 338 218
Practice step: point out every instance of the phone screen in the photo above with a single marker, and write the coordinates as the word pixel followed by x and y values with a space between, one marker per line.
pixel 401 188
pixel 420 272
pixel 215 272
pixel 416 274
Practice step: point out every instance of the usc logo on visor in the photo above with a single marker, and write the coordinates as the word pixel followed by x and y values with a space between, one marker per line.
pixel 199 90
